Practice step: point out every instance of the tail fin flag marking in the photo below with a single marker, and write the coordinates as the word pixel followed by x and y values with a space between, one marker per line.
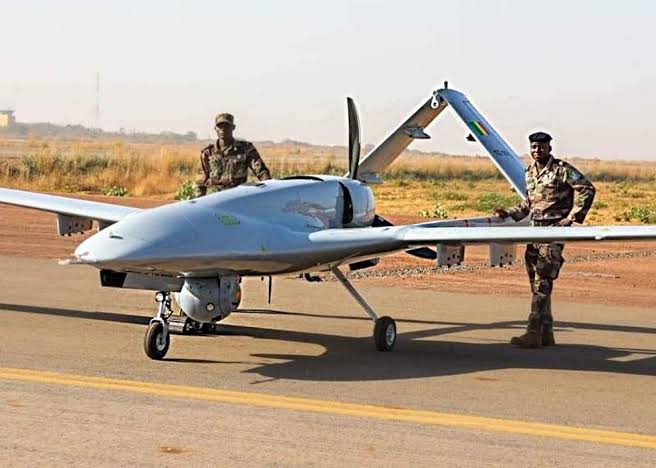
pixel 503 156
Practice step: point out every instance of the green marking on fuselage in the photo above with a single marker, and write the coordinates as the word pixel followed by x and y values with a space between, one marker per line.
pixel 227 219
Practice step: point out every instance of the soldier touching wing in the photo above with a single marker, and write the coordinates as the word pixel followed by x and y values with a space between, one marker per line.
pixel 557 194
pixel 225 164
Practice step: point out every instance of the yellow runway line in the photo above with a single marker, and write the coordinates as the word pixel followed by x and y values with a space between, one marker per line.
pixel 432 418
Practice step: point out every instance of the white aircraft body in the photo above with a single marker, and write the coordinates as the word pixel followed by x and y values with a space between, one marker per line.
pixel 200 249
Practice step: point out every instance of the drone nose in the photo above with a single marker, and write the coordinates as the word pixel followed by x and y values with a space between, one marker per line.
pixel 84 255
pixel 100 249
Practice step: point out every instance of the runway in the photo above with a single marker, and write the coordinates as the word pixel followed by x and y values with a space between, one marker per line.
pixel 299 382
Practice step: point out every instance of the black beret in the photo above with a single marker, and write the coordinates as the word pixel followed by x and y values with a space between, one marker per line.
pixel 539 137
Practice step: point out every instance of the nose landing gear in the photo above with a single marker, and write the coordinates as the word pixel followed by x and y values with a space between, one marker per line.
pixel 158 338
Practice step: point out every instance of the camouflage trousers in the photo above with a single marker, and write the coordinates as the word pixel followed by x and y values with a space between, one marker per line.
pixel 543 263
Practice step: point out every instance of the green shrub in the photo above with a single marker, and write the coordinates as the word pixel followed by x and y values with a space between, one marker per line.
pixel 644 214
pixel 30 166
pixel 489 201
pixel 436 212
pixel 186 191
pixel 115 191
pixel 598 205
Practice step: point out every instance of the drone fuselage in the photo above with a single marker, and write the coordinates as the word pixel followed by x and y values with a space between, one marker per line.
pixel 254 229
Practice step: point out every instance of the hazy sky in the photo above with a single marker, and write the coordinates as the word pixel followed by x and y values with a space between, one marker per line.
pixel 583 70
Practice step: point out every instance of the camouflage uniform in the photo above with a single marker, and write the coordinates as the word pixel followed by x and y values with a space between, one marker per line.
pixel 224 168
pixel 550 199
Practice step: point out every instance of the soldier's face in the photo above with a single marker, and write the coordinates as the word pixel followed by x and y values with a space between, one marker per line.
pixel 540 151
pixel 224 130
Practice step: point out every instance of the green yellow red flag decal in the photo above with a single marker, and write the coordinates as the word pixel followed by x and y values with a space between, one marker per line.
pixel 478 128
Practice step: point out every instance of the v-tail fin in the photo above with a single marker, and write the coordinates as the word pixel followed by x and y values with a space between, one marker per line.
pixel 503 156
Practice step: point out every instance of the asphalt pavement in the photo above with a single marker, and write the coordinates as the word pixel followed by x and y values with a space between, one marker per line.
pixel 298 381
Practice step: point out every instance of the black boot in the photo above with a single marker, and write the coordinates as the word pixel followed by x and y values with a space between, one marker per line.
pixel 548 336
pixel 530 339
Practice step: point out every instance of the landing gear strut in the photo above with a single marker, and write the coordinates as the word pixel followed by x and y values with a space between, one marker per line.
pixel 158 338
pixel 384 327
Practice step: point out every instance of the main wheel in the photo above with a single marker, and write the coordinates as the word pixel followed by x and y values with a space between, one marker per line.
pixel 156 341
pixel 385 334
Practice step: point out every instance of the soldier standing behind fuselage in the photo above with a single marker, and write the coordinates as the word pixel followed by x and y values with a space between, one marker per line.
pixel 225 164
pixel 550 188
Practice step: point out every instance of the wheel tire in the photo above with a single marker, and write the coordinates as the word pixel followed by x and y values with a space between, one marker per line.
pixel 385 334
pixel 156 341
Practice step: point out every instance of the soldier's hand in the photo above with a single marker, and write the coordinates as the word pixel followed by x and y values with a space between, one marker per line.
pixel 565 222
pixel 501 213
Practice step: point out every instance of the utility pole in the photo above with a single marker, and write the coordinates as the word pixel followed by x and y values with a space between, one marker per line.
pixel 97 99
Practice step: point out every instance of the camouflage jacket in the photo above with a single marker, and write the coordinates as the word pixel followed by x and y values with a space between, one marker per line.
pixel 550 193
pixel 221 169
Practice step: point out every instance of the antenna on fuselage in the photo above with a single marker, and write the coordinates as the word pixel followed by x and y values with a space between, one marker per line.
pixel 353 138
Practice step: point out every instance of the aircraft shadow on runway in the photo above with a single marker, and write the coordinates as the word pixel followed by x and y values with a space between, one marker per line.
pixel 348 358
pixel 83 314
pixel 354 359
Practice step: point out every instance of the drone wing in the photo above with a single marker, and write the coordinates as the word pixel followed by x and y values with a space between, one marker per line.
pixel 74 215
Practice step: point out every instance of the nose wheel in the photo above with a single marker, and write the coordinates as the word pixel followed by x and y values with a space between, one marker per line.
pixel 157 341
pixel 158 338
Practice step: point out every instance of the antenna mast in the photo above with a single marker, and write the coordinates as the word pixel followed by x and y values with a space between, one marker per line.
pixel 97 99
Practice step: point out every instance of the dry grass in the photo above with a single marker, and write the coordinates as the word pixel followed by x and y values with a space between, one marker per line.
pixel 143 169
pixel 615 203
pixel 454 186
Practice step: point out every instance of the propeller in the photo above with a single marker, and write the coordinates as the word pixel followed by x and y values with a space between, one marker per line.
pixel 420 252
pixel 354 160
pixel 354 138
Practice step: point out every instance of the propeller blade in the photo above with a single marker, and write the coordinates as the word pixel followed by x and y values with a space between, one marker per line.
pixel 354 138
pixel 423 252
pixel 270 288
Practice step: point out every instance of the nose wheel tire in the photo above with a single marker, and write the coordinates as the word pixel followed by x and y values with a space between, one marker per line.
pixel 385 334
pixel 156 341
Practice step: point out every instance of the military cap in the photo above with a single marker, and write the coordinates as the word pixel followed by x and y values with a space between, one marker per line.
pixel 224 118
pixel 539 137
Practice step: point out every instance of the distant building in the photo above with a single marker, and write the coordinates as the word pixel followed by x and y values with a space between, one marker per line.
pixel 7 118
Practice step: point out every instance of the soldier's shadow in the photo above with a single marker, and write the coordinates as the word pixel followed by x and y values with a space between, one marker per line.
pixel 419 354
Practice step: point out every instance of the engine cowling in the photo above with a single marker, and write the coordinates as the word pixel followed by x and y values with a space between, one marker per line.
pixel 359 204
pixel 208 300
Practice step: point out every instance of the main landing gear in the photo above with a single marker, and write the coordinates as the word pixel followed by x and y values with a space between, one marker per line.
pixel 384 327
pixel 158 338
